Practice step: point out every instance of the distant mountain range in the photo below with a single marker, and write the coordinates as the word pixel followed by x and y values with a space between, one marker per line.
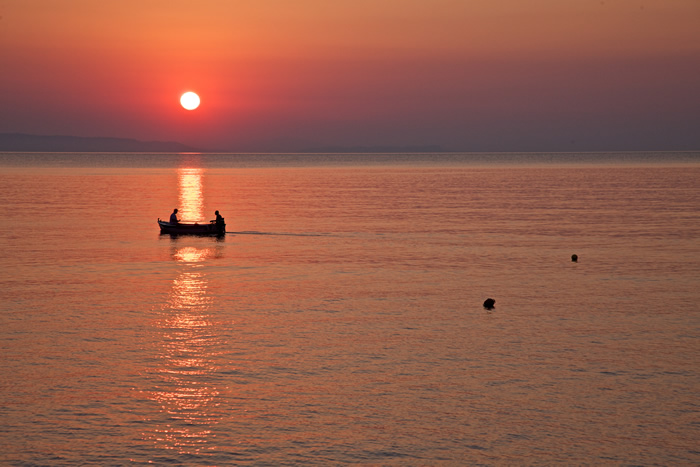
pixel 21 142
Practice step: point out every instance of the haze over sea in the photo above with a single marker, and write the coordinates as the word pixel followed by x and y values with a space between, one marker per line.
pixel 340 320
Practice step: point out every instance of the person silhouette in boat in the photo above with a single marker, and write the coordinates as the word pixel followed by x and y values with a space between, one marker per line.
pixel 173 217
pixel 219 220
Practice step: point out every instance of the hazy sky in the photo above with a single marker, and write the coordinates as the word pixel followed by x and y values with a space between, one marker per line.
pixel 479 75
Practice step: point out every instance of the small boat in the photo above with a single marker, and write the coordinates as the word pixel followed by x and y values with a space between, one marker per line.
pixel 186 228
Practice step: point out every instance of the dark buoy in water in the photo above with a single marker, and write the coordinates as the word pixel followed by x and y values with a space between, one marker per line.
pixel 489 303
pixel 574 258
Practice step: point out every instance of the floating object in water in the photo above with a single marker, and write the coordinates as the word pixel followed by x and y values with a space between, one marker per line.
pixel 188 228
pixel 574 258
pixel 489 303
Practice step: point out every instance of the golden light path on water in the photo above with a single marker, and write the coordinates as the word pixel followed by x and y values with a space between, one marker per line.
pixel 187 343
pixel 191 200
pixel 187 351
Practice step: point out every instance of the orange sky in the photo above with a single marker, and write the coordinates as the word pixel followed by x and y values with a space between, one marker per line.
pixel 288 75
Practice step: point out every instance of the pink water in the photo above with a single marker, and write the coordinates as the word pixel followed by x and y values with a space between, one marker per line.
pixel 344 322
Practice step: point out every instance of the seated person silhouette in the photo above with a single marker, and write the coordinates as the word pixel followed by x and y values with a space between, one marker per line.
pixel 219 220
pixel 173 217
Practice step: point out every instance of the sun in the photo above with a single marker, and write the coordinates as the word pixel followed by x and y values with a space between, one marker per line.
pixel 189 100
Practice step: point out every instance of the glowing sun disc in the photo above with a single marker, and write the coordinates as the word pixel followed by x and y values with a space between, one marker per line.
pixel 189 100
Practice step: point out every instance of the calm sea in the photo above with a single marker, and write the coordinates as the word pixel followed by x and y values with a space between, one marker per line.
pixel 342 321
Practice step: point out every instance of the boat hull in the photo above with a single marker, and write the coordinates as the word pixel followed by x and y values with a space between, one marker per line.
pixel 192 229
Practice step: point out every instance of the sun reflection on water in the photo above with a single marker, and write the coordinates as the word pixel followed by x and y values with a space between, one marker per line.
pixel 186 389
pixel 190 189
pixel 191 254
